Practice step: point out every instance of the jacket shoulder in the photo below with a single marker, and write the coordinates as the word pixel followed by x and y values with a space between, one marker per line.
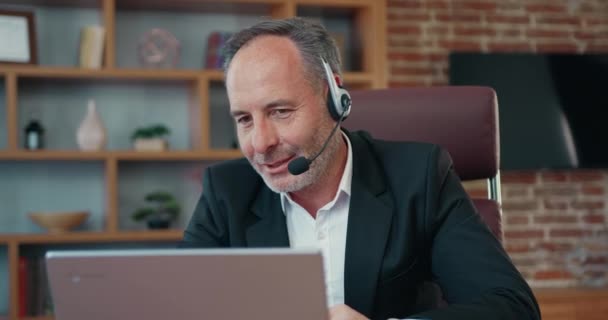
pixel 233 176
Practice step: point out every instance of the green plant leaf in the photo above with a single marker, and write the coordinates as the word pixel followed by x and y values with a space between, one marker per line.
pixel 143 213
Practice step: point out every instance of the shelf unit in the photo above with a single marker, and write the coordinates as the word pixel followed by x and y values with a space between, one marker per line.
pixel 365 20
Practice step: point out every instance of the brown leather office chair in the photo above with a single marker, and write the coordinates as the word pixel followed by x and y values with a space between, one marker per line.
pixel 462 119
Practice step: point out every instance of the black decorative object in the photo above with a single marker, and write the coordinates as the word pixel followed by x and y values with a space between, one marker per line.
pixel 34 135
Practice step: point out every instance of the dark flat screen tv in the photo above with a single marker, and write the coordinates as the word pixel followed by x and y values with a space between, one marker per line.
pixel 553 108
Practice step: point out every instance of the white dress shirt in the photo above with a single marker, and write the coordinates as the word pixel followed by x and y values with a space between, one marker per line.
pixel 327 232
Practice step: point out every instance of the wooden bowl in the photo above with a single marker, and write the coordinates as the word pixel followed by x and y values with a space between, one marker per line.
pixel 59 222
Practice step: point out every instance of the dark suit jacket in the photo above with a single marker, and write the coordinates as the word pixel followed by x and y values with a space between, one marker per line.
pixel 410 220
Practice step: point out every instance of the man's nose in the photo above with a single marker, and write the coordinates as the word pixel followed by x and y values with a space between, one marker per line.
pixel 264 137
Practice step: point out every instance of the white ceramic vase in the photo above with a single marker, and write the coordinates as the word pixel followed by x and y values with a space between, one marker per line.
pixel 91 134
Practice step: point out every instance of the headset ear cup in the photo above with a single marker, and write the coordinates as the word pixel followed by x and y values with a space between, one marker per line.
pixel 331 106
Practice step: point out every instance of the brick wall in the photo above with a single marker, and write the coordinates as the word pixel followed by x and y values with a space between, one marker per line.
pixel 546 213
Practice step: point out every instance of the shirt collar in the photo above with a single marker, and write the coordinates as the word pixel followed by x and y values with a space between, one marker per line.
pixel 345 181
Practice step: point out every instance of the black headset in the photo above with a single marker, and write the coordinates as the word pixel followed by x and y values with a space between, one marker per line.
pixel 338 98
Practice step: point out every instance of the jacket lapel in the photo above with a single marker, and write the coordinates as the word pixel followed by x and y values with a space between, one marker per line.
pixel 369 221
pixel 267 226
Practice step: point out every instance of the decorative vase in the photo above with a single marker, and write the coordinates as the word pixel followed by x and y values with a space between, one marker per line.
pixel 91 134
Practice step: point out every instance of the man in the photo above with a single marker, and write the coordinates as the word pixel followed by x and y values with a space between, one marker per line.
pixel 383 227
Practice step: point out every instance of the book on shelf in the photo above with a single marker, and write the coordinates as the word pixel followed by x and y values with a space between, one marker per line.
pixel 215 45
pixel 91 47
pixel 34 291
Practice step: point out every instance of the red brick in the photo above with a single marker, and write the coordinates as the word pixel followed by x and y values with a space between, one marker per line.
pixel 597 48
pixel 517 220
pixel 437 30
pixel 407 56
pixel 460 45
pixel 519 177
pixel 587 205
pixel 524 234
pixel 510 19
pixel 545 8
pixel 598 261
pixel 547 33
pixel 520 205
pixel 553 176
pixel 554 246
pixel 591 35
pixel 409 4
pixel 555 191
pixel 571 21
pixel 408 16
pixel 594 219
pixel 555 219
pixel 475 5
pixel 593 190
pixel 511 33
pixel 567 233
pixel 503 46
pixel 437 4
pixel 584 175
pixel 519 192
pixel 513 248
pixel 596 21
pixel 557 47
pixel 398 70
pixel 438 57
pixel 552 275
pixel 394 43
pixel 458 17
pixel 552 204
pixel 474 31
pixel 405 29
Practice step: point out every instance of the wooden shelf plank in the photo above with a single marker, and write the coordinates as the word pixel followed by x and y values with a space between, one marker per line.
pixel 53 155
pixel 91 237
pixel 120 155
pixel 333 3
pixel 177 155
pixel 139 74
pixel 54 3
pixel 124 74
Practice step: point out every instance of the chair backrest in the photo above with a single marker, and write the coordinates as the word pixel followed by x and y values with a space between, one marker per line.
pixel 462 119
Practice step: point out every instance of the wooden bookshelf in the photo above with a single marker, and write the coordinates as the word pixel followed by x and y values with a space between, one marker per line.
pixel 92 237
pixel 365 18
pixel 120 155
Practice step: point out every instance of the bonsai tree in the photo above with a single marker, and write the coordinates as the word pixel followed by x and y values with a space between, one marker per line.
pixel 164 210
pixel 150 132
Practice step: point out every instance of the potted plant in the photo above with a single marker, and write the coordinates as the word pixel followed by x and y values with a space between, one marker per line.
pixel 151 138
pixel 159 216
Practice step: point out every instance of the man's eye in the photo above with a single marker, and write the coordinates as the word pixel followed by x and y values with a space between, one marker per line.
pixel 243 120
pixel 281 113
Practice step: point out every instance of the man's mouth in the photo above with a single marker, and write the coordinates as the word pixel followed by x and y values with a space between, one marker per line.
pixel 277 166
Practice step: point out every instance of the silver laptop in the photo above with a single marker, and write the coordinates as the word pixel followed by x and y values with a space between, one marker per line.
pixel 187 284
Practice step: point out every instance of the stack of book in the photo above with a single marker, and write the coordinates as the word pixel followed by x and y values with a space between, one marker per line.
pixel 34 292
pixel 215 45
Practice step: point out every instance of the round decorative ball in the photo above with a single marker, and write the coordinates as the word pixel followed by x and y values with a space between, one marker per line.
pixel 158 48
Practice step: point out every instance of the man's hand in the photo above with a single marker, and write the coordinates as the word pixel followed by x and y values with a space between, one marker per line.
pixel 344 312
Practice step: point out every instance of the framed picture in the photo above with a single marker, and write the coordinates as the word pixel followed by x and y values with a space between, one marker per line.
pixel 18 37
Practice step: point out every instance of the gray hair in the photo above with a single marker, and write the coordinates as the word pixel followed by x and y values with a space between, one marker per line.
pixel 311 38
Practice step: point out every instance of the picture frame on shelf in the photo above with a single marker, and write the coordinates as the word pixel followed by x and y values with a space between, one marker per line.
pixel 18 34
